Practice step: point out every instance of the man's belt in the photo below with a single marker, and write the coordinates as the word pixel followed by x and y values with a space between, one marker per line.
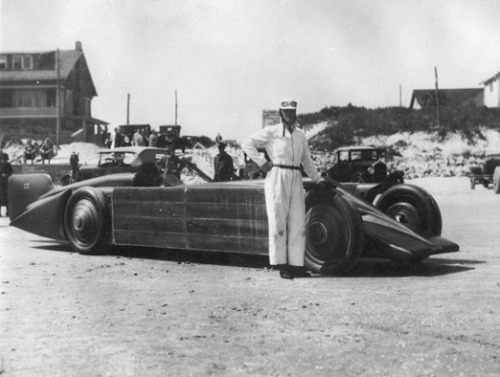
pixel 291 167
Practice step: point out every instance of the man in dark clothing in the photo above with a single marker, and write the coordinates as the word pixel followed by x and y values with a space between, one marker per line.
pixel 223 165
pixel 118 141
pixel 5 172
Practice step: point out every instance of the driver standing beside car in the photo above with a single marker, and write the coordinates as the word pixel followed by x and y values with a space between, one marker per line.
pixel 287 148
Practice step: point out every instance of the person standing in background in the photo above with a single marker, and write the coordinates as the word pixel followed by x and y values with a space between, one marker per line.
pixel 153 139
pixel 118 139
pixel 223 165
pixel 5 172
pixel 218 138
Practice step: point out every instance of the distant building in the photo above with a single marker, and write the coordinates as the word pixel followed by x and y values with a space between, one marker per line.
pixel 425 98
pixel 48 94
pixel 492 91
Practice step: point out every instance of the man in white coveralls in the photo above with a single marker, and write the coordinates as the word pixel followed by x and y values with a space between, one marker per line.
pixel 287 148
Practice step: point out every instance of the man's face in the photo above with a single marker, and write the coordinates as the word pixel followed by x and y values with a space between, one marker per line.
pixel 289 116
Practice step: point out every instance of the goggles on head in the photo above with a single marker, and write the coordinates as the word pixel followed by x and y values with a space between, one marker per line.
pixel 288 104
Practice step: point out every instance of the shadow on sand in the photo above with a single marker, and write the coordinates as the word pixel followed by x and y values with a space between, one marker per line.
pixel 365 267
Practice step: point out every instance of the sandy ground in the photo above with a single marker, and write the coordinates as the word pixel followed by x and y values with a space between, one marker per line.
pixel 144 312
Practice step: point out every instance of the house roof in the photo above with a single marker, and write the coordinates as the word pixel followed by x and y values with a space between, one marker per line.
pixel 491 79
pixel 447 97
pixel 67 61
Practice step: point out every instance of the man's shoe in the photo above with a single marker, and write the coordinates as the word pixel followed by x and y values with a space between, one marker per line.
pixel 287 274
pixel 300 272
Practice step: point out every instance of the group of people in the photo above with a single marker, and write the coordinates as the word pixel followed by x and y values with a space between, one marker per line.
pixel 31 151
pixel 140 138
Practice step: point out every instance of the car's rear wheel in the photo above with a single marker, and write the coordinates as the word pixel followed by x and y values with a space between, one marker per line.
pixel 334 236
pixel 496 180
pixel 86 221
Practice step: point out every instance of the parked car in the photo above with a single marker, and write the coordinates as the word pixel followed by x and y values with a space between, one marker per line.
pixel 118 160
pixel 225 217
pixel 169 134
pixel 361 164
pixel 487 174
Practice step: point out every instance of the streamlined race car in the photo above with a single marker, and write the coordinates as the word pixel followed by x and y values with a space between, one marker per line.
pixel 229 217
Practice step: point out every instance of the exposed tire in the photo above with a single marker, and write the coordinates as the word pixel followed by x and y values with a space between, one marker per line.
pixel 334 235
pixel 86 221
pixel 496 180
pixel 413 207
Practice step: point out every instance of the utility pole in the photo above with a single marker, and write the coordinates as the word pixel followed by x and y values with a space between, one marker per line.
pixel 437 97
pixel 58 100
pixel 176 107
pixel 128 108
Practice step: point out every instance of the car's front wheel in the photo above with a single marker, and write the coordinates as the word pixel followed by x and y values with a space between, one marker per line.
pixel 496 180
pixel 334 236
pixel 86 221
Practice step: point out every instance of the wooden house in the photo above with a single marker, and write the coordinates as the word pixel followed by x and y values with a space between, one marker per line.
pixel 48 94
pixel 425 98
pixel 492 91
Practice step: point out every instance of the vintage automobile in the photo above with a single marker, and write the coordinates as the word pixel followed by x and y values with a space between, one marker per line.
pixel 118 160
pixel 227 217
pixel 171 134
pixel 361 164
pixel 487 174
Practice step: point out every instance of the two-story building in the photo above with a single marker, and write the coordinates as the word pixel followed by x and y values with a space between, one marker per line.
pixel 48 94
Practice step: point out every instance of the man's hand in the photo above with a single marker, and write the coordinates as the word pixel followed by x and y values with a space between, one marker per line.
pixel 325 185
pixel 266 167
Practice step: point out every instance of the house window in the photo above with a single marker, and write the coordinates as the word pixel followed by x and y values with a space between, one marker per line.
pixel 29 98
pixel 69 101
pixel 22 62
pixel 51 98
pixel 491 86
pixel 3 62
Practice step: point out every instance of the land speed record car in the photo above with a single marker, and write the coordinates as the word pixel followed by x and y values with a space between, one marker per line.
pixel 226 217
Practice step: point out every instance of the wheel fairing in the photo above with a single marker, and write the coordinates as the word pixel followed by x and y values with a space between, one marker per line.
pixel 86 221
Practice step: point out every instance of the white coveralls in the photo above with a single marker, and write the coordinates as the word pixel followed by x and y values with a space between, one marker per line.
pixel 285 202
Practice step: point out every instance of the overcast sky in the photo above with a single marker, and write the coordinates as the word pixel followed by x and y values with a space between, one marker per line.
pixel 229 60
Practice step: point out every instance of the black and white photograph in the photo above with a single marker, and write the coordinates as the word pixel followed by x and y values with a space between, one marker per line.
pixel 249 188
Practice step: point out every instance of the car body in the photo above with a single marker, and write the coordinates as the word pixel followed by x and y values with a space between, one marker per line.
pixel 131 160
pixel 225 217
pixel 487 174
pixel 361 164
